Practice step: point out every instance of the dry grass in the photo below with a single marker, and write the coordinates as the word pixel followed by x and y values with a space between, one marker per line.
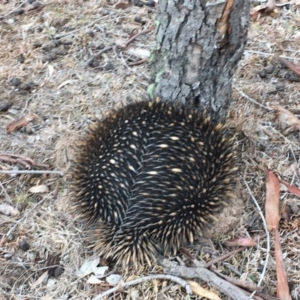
pixel 67 96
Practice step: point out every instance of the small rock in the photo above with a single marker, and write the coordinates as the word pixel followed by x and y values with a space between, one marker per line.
pixel 94 64
pixel 269 69
pixel 58 271
pixel 292 77
pixel 20 206
pixel 262 73
pixel 19 11
pixel 50 45
pixel 29 129
pixel 23 245
pixel 39 29
pixel 104 12
pixel 138 19
pixel 21 58
pixel 35 4
pixel 5 106
pixel 37 45
pixel 28 86
pixel 280 86
pixel 108 66
pixel 49 57
pixel 25 87
pixel 260 268
pixel 30 1
pixel 150 3
pixel 91 33
pixel 15 81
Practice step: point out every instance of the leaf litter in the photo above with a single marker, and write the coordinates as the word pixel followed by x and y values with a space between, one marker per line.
pixel 47 48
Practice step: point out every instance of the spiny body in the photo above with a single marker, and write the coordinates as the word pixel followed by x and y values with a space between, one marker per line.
pixel 150 176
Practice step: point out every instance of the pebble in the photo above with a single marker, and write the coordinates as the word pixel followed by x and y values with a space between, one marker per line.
pixel 108 66
pixel 58 271
pixel 23 245
pixel 15 81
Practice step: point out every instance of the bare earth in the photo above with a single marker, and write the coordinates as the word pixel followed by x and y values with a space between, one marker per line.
pixel 65 91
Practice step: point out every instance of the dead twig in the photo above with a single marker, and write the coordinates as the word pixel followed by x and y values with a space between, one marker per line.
pixel 125 285
pixel 27 162
pixel 250 99
pixel 134 37
pixel 222 285
pixel 31 172
pixel 88 63
pixel 223 257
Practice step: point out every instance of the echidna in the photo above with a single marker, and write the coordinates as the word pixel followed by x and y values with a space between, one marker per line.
pixel 150 176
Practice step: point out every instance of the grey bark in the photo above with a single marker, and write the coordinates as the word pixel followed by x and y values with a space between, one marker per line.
pixel 199 44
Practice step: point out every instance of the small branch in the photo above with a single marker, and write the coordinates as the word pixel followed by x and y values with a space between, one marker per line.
pixel 222 285
pixel 133 38
pixel 97 55
pixel 21 159
pixel 250 99
pixel 125 285
pixel 221 258
pixel 31 172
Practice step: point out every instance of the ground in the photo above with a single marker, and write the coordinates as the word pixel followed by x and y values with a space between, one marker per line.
pixel 62 90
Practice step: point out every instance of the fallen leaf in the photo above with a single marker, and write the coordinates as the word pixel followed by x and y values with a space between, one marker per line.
pixel 90 266
pixel 244 242
pixel 289 170
pixel 94 280
pixel 40 280
pixel 19 123
pixel 288 64
pixel 100 271
pixel 8 210
pixel 286 118
pixel 121 4
pixel 39 189
pixel 113 278
pixel 272 200
pixel 283 291
pixel 291 188
pixel 200 291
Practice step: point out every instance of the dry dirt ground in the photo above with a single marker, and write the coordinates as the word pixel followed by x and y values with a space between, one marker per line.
pixel 46 74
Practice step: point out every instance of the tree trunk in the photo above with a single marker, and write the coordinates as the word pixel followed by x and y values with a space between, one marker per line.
pixel 199 44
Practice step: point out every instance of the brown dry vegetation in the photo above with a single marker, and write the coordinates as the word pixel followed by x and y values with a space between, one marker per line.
pixel 65 96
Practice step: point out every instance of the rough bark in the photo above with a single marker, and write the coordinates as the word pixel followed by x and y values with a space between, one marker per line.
pixel 199 44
